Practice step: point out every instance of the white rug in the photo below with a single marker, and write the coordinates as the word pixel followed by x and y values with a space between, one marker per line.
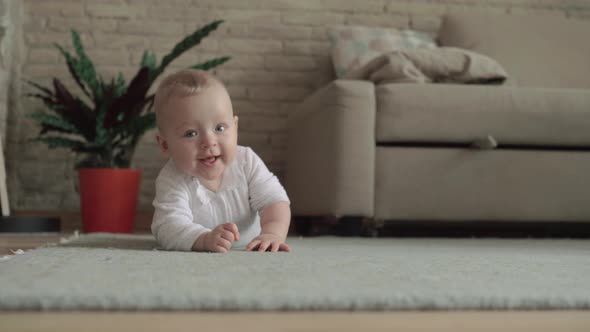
pixel 102 271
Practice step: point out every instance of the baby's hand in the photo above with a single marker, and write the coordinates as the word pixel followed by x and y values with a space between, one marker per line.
pixel 221 238
pixel 268 242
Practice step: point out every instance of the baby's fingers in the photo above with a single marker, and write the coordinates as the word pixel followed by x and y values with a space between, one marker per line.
pixel 230 226
pixel 227 235
pixel 284 247
pixel 252 245
pixel 220 249
pixel 220 245
pixel 264 245
pixel 274 247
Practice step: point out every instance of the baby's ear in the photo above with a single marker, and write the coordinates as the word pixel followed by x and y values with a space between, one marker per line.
pixel 162 144
pixel 236 120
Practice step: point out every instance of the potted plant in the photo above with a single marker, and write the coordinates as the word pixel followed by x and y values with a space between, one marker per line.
pixel 104 127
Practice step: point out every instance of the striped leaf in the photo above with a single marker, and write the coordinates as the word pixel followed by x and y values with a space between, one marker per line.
pixel 74 68
pixel 120 85
pixel 187 43
pixel 46 91
pixel 60 142
pixel 85 67
pixel 211 63
pixel 55 123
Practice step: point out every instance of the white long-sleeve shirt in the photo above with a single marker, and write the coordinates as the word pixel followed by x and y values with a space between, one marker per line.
pixel 185 209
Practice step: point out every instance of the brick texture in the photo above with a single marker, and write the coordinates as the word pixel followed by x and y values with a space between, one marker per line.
pixel 280 53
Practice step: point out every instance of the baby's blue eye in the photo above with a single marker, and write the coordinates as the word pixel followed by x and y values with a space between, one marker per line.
pixel 220 128
pixel 190 133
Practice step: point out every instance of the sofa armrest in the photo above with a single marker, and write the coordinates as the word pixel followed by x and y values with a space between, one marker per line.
pixel 331 151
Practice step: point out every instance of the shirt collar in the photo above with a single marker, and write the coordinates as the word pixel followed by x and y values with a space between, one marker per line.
pixel 228 182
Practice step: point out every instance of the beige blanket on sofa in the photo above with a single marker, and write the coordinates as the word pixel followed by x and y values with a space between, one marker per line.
pixel 439 65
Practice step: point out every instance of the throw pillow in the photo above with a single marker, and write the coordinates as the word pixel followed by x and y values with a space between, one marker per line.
pixel 354 46
pixel 439 65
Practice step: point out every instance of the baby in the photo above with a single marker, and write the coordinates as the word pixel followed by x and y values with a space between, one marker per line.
pixel 212 195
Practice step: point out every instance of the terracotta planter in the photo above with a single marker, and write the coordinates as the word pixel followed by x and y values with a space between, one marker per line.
pixel 108 198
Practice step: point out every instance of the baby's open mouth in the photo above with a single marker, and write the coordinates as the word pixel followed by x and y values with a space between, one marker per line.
pixel 209 161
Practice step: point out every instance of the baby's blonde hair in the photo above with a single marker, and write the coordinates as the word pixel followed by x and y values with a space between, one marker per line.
pixel 187 82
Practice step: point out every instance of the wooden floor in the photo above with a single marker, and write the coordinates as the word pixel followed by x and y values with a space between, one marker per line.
pixel 554 321
pixel 538 321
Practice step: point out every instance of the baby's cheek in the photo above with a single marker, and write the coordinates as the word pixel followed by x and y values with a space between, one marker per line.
pixel 185 161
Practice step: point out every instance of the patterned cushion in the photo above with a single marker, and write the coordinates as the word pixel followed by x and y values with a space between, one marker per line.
pixel 354 46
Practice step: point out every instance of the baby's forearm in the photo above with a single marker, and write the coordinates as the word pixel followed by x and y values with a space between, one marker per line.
pixel 275 219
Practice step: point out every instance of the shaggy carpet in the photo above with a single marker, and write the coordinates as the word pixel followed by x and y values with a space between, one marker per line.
pixel 114 272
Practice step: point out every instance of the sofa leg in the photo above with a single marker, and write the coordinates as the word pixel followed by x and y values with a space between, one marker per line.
pixel 303 225
pixel 329 225
pixel 350 226
pixel 372 227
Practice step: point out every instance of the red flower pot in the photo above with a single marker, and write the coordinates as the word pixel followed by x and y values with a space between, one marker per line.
pixel 108 198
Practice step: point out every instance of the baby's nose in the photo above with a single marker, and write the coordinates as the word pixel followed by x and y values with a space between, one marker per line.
pixel 208 141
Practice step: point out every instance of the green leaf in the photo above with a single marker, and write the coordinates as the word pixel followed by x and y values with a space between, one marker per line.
pixel 85 67
pixel 120 86
pixel 48 101
pixel 91 148
pixel 60 142
pixel 73 67
pixel 148 60
pixel 186 44
pixel 55 122
pixel 130 135
pixel 122 158
pixel 46 91
pixel 74 111
pixel 136 128
pixel 88 162
pixel 131 103
pixel 93 160
pixel 144 123
pixel 102 135
pixel 211 63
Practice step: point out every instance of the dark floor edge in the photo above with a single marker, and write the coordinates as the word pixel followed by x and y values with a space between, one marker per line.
pixel 358 226
pixel 29 224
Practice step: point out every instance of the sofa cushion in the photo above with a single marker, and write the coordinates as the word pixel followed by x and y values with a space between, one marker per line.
pixel 453 113
pixel 354 46
pixel 537 51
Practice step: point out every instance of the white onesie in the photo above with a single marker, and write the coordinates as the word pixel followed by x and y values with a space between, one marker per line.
pixel 185 208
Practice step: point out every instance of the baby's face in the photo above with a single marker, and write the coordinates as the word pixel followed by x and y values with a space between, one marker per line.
pixel 200 132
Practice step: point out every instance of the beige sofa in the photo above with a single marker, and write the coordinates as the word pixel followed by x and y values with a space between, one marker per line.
pixel 405 151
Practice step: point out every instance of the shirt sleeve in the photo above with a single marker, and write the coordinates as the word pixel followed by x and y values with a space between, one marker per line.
pixel 173 225
pixel 263 186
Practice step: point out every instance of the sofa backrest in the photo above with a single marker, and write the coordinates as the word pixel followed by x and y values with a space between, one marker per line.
pixel 536 51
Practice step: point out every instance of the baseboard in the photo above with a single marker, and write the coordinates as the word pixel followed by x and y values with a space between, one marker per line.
pixel 29 224
pixel 318 226
pixel 72 220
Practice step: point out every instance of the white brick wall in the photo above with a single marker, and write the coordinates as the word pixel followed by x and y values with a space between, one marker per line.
pixel 280 54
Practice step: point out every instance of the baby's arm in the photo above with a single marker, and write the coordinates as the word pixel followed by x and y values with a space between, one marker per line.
pixel 269 198
pixel 274 221
pixel 173 225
